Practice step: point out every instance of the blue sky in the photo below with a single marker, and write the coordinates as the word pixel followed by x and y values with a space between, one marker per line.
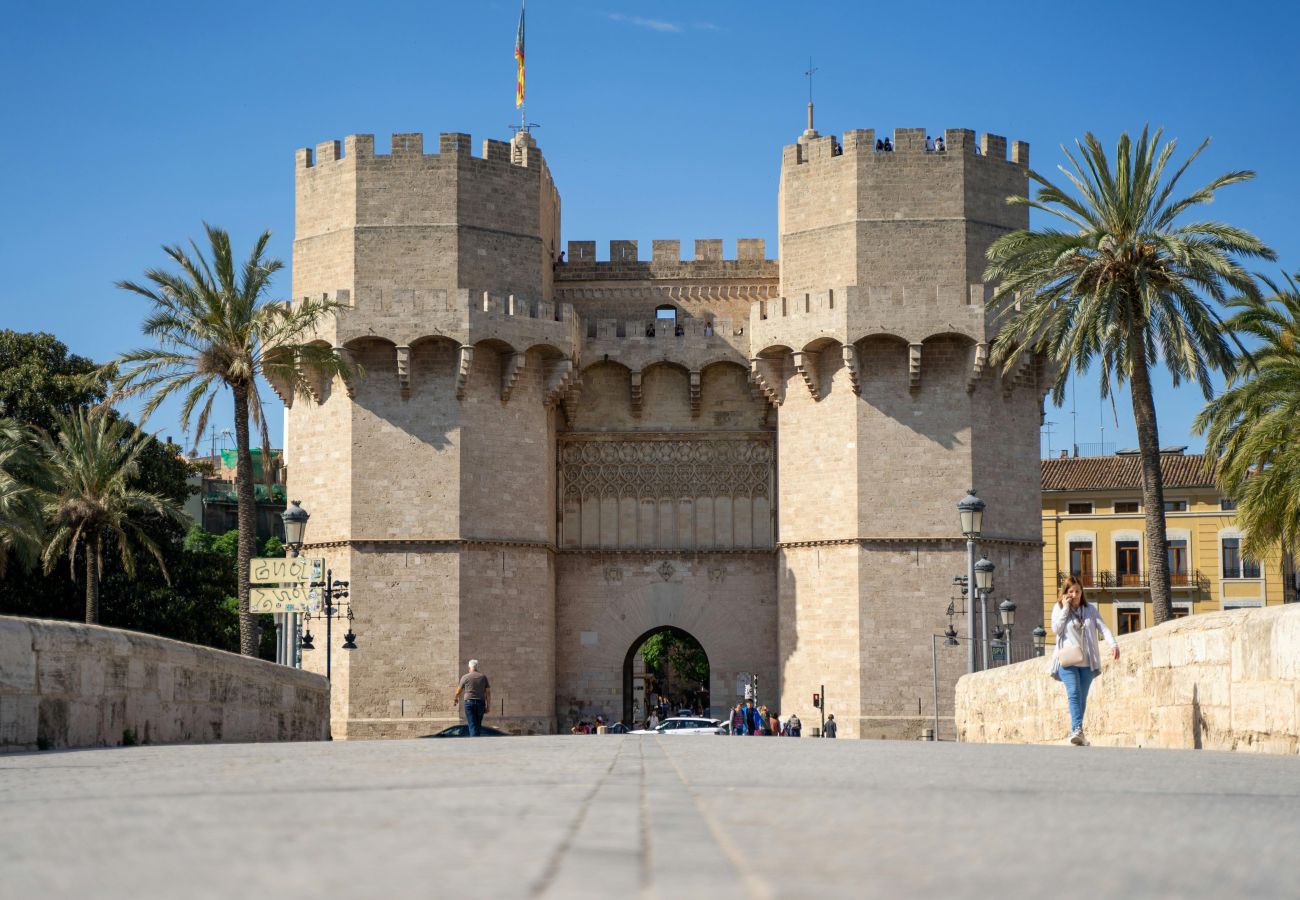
pixel 127 125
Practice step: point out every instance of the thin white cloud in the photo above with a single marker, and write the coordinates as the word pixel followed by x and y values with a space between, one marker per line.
pixel 652 24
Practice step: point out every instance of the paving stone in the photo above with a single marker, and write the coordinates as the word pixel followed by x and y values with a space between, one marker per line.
pixel 644 816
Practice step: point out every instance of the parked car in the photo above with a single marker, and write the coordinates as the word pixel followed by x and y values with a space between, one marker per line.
pixel 688 725
pixel 462 730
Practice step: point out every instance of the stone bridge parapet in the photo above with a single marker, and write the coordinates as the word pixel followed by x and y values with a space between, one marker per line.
pixel 63 684
pixel 1219 681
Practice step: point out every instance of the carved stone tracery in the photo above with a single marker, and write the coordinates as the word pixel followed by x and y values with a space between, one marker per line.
pixel 673 468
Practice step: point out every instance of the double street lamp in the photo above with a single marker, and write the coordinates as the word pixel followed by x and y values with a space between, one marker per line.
pixel 295 529
pixel 970 510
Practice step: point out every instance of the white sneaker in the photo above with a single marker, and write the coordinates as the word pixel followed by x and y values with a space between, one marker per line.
pixel 1078 739
pixel 1083 739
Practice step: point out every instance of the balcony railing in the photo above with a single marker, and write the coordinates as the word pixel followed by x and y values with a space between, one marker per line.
pixel 1106 580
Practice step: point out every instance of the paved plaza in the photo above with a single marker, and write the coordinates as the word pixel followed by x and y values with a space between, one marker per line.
pixel 646 817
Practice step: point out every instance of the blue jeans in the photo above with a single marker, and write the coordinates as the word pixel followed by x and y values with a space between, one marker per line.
pixel 1077 680
pixel 474 716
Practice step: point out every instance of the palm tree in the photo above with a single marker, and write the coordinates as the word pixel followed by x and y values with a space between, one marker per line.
pixel 86 496
pixel 20 512
pixel 1253 427
pixel 215 329
pixel 1123 286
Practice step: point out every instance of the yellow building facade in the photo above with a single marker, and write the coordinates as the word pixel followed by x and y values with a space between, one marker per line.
pixel 1094 527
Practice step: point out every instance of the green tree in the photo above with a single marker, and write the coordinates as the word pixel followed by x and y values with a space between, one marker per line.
pixel 681 655
pixel 1253 427
pixel 215 330
pixel 20 511
pixel 1123 286
pixel 40 378
pixel 86 497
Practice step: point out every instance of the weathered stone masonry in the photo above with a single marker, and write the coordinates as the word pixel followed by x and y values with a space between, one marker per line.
pixel 535 472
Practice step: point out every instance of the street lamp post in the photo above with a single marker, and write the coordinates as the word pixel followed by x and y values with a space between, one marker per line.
pixel 295 529
pixel 983 586
pixel 970 510
pixel 331 591
pixel 1007 613
pixel 1040 639
pixel 949 640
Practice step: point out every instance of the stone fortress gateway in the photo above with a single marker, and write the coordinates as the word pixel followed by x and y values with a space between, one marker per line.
pixel 546 462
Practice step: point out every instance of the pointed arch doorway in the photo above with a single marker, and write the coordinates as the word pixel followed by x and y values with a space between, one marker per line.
pixel 667 661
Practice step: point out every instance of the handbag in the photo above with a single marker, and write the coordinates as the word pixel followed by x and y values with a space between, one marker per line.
pixel 1071 655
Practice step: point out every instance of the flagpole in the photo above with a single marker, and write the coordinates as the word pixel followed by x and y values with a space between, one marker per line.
pixel 523 102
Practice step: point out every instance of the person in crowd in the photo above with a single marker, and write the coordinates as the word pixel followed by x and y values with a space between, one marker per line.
pixel 678 330
pixel 831 727
pixel 753 719
pixel 929 144
pixel 1076 661
pixel 738 719
pixel 938 144
pixel 889 146
pixel 773 724
pixel 653 722
pixel 478 697
pixel 793 726
pixel 880 145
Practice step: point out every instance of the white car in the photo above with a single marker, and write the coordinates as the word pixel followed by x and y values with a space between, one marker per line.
pixel 685 725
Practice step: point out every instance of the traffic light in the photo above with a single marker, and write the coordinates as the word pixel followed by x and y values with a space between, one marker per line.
pixel 817 701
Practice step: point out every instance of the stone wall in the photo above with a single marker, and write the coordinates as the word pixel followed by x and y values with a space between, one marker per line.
pixel 63 684
pixel 1219 681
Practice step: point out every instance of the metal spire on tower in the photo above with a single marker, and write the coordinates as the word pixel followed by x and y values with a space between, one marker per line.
pixel 811 132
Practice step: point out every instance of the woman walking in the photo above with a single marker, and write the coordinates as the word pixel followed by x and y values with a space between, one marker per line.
pixel 1077 660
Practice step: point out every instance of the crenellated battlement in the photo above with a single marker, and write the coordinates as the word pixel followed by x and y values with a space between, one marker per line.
pixel 452 146
pixel 851 312
pixel 751 250
pixel 466 316
pixel 626 262
pixel 860 144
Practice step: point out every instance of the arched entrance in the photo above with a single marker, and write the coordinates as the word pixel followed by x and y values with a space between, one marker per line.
pixel 673 664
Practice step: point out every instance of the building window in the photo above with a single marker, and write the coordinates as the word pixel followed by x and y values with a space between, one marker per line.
pixel 1081 561
pixel 1079 509
pixel 1227 505
pixel 1175 506
pixel 1178 561
pixel 1130 620
pixel 1182 611
pixel 1128 567
pixel 1235 565
pixel 1127 506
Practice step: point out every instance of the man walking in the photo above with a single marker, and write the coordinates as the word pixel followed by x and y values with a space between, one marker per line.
pixel 478 694
pixel 831 728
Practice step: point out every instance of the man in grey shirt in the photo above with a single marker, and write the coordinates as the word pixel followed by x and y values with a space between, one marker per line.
pixel 478 694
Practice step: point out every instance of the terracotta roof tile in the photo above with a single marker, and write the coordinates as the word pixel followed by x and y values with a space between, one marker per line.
pixel 1091 473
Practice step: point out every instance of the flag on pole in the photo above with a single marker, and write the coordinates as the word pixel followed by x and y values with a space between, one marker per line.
pixel 519 60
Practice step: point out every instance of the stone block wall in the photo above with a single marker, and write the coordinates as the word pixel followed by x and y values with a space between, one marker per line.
pixel 64 684
pixel 1217 681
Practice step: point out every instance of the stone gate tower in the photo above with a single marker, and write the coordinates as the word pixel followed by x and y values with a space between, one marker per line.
pixel 876 355
pixel 431 486
pixel 547 460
